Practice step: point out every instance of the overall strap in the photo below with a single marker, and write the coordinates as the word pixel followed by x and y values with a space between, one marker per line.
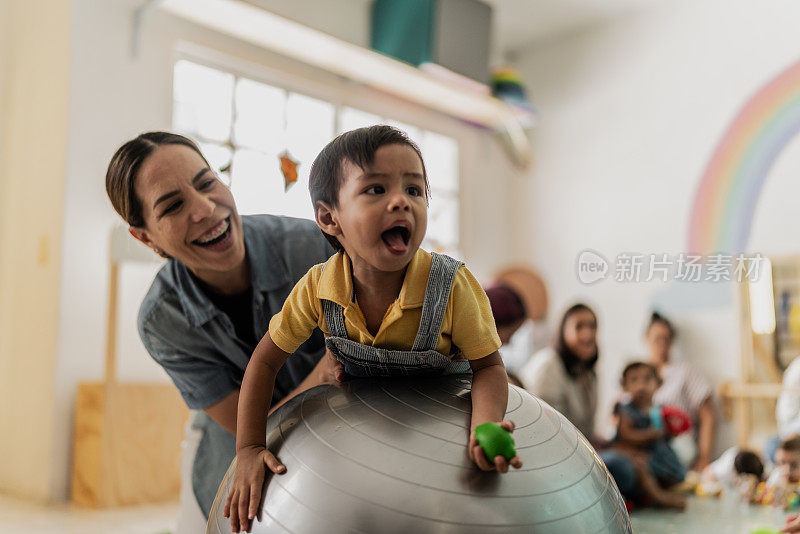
pixel 437 293
pixel 334 313
pixel 334 318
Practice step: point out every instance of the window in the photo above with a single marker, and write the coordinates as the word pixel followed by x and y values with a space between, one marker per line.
pixel 244 126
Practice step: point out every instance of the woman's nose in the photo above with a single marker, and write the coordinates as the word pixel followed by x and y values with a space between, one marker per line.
pixel 202 207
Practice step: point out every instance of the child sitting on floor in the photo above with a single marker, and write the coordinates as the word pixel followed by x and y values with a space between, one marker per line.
pixel 656 463
pixel 735 469
pixel 387 307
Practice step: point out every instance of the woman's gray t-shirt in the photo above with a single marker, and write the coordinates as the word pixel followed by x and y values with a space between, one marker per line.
pixel 196 343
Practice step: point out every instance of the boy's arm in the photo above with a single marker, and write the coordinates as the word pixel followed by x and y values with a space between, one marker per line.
pixel 489 402
pixel 627 433
pixel 251 452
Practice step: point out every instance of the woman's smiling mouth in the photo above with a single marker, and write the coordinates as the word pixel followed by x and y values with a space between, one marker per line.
pixel 215 235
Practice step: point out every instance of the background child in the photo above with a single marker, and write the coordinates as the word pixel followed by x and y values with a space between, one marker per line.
pixel 656 462
pixel 731 465
pixel 387 307
pixel 787 464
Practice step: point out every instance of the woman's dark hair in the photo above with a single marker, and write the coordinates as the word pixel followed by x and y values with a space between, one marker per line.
pixel 748 462
pixel 657 318
pixel 507 307
pixel 125 165
pixel 574 364
pixel 358 147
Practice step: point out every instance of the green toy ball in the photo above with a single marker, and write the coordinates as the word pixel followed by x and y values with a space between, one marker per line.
pixel 495 441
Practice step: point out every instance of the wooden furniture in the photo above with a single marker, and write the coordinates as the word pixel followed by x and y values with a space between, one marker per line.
pixel 127 436
pixel 764 355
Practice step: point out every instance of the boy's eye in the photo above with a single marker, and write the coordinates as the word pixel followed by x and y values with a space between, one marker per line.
pixel 208 184
pixel 375 190
pixel 414 191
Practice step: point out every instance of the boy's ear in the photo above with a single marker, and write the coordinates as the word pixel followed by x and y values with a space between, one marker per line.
pixel 326 220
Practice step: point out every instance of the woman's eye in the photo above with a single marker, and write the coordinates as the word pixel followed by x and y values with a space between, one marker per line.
pixel 171 208
pixel 375 190
pixel 208 183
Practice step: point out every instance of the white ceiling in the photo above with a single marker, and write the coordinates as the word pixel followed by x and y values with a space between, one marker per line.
pixel 520 23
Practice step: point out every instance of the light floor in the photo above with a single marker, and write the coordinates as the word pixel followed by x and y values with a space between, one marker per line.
pixel 18 517
pixel 703 516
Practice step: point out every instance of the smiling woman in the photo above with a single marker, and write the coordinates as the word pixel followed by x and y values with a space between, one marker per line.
pixel 207 307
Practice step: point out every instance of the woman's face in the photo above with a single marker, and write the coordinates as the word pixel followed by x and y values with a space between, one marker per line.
pixel 189 213
pixel 580 334
pixel 659 341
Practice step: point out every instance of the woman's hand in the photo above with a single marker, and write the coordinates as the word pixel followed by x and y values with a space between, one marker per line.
pixel 477 455
pixel 248 481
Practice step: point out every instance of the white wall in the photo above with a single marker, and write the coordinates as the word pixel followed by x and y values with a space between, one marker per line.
pixel 114 96
pixel 630 113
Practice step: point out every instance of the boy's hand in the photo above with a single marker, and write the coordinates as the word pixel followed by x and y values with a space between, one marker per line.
pixel 245 494
pixel 329 368
pixel 477 455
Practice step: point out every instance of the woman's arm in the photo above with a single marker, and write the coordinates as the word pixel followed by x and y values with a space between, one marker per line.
pixel 489 402
pixel 706 423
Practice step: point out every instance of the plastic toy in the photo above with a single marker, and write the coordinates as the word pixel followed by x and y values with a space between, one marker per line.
pixel 495 441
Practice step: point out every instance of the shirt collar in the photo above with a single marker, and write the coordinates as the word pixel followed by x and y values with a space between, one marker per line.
pixel 267 273
pixel 336 281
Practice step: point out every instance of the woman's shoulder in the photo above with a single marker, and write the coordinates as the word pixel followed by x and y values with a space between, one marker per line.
pixel 161 306
pixel 279 227
pixel 544 362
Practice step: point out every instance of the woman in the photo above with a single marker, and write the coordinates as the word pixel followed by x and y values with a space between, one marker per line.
pixel 682 386
pixel 564 377
pixel 211 303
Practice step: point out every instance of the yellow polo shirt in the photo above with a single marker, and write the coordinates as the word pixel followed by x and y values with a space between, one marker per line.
pixel 468 323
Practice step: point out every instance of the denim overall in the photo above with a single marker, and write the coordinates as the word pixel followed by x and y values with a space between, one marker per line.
pixel 366 361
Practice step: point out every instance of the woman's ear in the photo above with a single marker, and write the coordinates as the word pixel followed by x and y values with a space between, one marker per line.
pixel 141 235
pixel 326 219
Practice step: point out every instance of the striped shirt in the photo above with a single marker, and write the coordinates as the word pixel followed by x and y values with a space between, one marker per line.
pixel 683 386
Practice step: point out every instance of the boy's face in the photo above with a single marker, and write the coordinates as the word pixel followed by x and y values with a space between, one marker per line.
pixel 789 461
pixel 382 211
pixel 641 385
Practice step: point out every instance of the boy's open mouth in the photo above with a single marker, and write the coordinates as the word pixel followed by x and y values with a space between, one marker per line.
pixel 396 238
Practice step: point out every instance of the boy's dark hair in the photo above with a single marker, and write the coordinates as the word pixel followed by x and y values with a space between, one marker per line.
pixel 358 147
pixel 657 318
pixel 748 462
pixel 790 443
pixel 638 365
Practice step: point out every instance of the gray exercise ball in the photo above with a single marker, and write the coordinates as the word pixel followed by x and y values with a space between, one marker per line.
pixel 390 455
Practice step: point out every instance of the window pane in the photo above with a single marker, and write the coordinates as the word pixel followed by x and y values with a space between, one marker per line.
pixel 260 116
pixel 258 187
pixel 218 157
pixel 441 161
pixel 309 127
pixel 352 118
pixel 442 234
pixel 412 131
pixel 203 101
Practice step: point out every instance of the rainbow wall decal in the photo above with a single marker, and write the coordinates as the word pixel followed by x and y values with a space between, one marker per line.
pixel 725 202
